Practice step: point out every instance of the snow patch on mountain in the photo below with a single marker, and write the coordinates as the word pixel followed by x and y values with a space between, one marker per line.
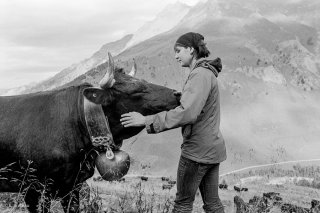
pixel 164 21
pixel 202 12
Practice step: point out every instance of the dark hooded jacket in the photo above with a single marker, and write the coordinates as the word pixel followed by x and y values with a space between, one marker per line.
pixel 198 115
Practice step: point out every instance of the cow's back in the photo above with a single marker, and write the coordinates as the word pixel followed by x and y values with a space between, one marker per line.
pixel 39 126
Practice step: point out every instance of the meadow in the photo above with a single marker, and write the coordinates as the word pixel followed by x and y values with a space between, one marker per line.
pixel 297 185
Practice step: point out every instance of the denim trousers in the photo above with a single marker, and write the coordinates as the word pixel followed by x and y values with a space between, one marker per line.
pixel 191 176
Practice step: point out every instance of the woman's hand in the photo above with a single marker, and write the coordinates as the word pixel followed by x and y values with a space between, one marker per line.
pixel 132 119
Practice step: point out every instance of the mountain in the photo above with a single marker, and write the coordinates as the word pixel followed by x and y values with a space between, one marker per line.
pixel 75 70
pixel 270 83
pixel 269 86
pixel 17 90
pixel 164 21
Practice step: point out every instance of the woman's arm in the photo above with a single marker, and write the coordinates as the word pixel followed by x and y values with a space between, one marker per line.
pixel 193 99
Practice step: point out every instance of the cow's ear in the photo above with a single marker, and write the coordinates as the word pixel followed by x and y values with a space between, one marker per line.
pixel 98 96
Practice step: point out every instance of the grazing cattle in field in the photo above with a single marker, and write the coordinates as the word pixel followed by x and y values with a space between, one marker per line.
pixel 172 182
pixel 144 178
pixel 167 186
pixel 43 136
pixel 165 179
pixel 236 188
pixel 244 189
pixel 239 189
pixel 223 186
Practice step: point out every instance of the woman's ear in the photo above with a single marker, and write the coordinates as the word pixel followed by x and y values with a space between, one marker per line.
pixel 191 49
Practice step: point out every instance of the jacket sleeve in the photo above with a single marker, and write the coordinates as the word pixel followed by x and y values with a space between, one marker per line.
pixel 193 99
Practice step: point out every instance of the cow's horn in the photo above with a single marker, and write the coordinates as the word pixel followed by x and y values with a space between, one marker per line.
pixel 108 80
pixel 134 69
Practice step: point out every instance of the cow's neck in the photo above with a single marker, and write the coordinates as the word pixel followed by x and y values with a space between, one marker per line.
pixel 97 124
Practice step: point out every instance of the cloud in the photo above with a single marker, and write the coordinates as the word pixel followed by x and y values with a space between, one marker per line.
pixel 43 37
pixel 46 36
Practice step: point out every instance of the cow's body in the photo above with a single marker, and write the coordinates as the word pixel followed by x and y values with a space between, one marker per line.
pixel 48 129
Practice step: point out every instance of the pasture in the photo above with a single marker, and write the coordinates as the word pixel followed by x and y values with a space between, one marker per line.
pixel 133 194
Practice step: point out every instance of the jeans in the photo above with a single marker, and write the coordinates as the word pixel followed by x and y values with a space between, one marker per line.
pixel 191 176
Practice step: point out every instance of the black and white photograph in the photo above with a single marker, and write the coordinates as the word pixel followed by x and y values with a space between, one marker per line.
pixel 159 106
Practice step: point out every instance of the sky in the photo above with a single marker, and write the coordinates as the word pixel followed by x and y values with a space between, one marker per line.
pixel 39 38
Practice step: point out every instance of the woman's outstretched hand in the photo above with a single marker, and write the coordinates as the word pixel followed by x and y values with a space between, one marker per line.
pixel 132 119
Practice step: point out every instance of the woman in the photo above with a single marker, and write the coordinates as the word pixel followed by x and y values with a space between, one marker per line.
pixel 203 146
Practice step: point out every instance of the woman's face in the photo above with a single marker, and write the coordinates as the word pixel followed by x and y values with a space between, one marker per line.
pixel 183 55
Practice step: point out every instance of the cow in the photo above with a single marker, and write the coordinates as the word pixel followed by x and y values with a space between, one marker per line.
pixel 44 134
pixel 238 189
pixel 244 189
pixel 223 186
pixel 165 179
pixel 144 178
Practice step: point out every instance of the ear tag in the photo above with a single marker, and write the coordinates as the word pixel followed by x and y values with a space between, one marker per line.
pixel 109 153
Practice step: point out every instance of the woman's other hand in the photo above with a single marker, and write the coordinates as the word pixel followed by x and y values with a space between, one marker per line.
pixel 134 119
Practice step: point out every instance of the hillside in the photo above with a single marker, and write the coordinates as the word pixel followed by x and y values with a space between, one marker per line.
pixel 269 84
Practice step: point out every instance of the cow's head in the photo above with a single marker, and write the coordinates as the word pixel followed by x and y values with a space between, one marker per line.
pixel 121 93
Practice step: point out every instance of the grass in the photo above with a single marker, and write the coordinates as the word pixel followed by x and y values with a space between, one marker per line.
pixel 135 195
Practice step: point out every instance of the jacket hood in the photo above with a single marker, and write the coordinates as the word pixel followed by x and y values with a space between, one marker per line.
pixel 214 65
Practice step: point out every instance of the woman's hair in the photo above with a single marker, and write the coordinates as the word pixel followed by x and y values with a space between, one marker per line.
pixel 196 41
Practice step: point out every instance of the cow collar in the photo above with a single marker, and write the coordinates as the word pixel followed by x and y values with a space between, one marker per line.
pixel 98 126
